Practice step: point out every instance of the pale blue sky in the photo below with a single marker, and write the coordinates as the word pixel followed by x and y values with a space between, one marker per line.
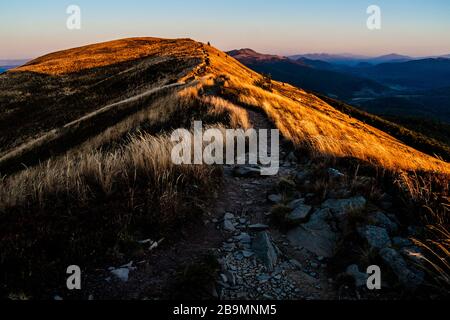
pixel 414 27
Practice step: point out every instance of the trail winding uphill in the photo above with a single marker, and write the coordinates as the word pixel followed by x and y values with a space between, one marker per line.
pixel 256 261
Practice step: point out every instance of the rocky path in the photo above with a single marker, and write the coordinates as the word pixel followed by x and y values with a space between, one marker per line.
pixel 262 260
pixel 258 261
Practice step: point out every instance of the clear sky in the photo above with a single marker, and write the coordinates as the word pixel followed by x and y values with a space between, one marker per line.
pixel 414 27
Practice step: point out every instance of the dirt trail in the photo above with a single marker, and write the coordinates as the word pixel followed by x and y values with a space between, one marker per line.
pixel 297 274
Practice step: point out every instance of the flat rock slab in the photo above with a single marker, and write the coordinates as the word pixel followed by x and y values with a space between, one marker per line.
pixel 300 213
pixel 378 238
pixel 228 226
pixel 359 277
pixel 265 250
pixel 122 274
pixel 381 220
pixel 275 198
pixel 316 236
pixel 342 207
pixel 407 276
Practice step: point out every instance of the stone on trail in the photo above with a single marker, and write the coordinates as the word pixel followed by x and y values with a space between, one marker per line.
pixel 359 277
pixel 379 219
pixel 402 242
pixel 248 253
pixel 121 273
pixel 228 225
pixel 265 250
pixel 275 198
pixel 316 236
pixel 335 174
pixel 300 214
pixel 378 238
pixel 408 277
pixel 228 216
pixel 293 204
pixel 342 207
pixel 243 238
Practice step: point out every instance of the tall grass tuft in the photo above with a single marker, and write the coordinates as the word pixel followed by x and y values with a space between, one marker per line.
pixel 75 209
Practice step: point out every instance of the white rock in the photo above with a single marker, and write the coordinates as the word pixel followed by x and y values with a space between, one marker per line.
pixel 122 274
pixel 275 198
pixel 228 226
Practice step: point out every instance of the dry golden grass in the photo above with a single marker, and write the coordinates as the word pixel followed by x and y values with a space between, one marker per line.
pixel 109 53
pixel 309 122
pixel 430 194
pixel 85 207
pixel 144 158
pixel 88 159
pixel 301 117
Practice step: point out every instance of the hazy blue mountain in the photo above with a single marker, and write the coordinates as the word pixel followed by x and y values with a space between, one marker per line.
pixel 389 58
pixel 6 64
pixel 411 75
pixel 309 74
pixel 6 68
pixel 344 59
pixel 348 60
pixel 418 88
pixel 12 62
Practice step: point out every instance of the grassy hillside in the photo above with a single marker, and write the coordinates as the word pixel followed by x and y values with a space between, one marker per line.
pixel 423 135
pixel 68 86
pixel 85 154
pixel 54 90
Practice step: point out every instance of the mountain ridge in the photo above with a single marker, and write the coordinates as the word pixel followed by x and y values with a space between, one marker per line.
pixel 311 75
pixel 203 62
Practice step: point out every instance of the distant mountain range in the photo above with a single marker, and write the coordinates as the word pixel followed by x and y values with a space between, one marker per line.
pixel 312 75
pixel 7 64
pixel 410 75
pixel 388 85
pixel 355 60
pixel 13 62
